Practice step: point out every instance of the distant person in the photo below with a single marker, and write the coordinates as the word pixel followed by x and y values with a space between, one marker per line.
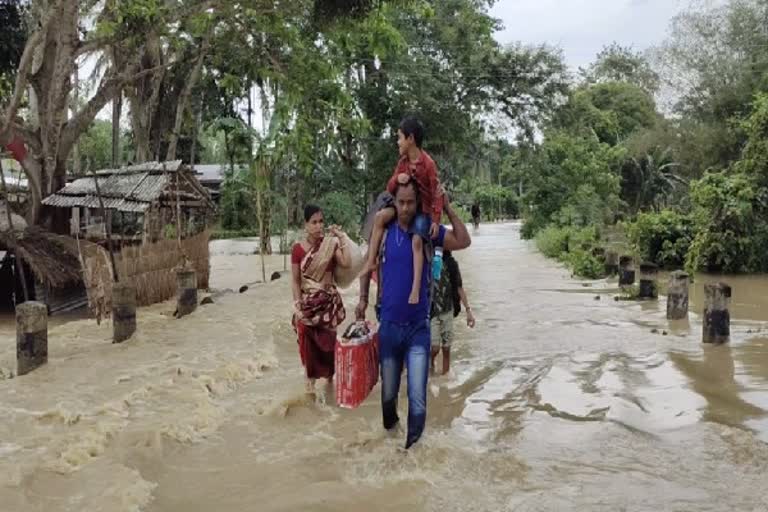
pixel 417 164
pixel 404 333
pixel 475 210
pixel 446 305
pixel 317 306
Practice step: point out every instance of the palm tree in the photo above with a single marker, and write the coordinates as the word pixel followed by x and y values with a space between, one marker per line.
pixel 657 182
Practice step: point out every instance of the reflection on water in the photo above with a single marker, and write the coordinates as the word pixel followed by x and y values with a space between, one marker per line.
pixel 556 401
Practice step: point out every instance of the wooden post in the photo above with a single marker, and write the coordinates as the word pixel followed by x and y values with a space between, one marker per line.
pixel 186 301
pixel 649 275
pixel 677 296
pixel 31 336
pixel 717 318
pixel 611 263
pixel 107 226
pixel 626 271
pixel 123 312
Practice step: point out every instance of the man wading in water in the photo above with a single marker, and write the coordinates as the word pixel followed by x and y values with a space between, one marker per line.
pixel 404 332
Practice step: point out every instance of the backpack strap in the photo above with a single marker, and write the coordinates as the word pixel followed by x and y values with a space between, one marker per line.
pixel 379 273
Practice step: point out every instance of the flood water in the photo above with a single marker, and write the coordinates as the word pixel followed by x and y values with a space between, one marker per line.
pixel 556 401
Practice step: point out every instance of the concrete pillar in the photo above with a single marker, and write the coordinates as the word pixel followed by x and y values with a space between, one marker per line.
pixel 611 263
pixel 717 318
pixel 186 303
pixel 123 312
pixel 626 271
pixel 649 277
pixel 31 336
pixel 677 296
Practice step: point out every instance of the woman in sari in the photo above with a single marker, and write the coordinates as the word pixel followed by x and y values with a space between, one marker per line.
pixel 318 309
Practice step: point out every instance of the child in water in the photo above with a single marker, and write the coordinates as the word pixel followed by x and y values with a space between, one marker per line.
pixel 414 163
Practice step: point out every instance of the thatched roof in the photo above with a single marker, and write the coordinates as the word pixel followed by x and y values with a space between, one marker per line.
pixel 130 189
pixel 52 258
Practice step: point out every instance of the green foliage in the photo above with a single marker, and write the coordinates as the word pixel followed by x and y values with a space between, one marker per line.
pixel 237 210
pixel 552 241
pixel 650 181
pixel 13 37
pixel 496 201
pixel 339 208
pixel 584 264
pixel 576 184
pixel 95 147
pixel 612 111
pixel 616 63
pixel 572 246
pixel 169 232
pixel 731 209
pixel 730 222
pixel 662 238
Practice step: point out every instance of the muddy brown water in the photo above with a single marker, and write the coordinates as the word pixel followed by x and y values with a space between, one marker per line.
pixel 556 401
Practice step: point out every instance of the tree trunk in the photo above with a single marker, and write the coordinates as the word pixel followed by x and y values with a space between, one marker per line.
pixel 186 92
pixel 117 108
pixel 75 107
pixel 144 97
pixel 260 215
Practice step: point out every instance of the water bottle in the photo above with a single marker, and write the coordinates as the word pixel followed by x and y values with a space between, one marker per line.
pixel 437 263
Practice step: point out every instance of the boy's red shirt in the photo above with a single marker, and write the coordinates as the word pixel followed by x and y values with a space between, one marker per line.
pixel 424 171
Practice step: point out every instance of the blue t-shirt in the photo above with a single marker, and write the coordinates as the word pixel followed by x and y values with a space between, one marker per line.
pixel 397 277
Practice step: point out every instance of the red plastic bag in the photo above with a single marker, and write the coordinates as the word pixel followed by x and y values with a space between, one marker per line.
pixel 357 365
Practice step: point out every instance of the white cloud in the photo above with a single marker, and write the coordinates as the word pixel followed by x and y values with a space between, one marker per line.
pixel 582 27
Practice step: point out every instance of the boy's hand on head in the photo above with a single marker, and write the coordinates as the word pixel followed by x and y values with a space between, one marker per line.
pixel 403 178
pixel 434 230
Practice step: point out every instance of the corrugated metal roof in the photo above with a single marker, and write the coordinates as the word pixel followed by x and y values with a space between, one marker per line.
pixel 131 188
pixel 120 185
pixel 91 201
pixel 138 186
pixel 150 187
pixel 81 186
pixel 171 166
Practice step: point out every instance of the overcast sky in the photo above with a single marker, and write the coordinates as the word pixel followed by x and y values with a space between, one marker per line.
pixel 582 27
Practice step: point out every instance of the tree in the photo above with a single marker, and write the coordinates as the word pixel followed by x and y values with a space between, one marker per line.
pixel 611 111
pixel 650 181
pixel 47 66
pixel 576 184
pixel 12 38
pixel 616 63
pixel 714 62
pixel 731 208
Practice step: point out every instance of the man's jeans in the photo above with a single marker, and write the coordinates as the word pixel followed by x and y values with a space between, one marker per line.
pixel 404 344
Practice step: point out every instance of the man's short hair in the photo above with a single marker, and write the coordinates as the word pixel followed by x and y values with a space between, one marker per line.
pixel 410 183
pixel 412 126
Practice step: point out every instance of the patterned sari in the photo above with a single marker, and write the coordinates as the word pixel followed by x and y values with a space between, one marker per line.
pixel 321 312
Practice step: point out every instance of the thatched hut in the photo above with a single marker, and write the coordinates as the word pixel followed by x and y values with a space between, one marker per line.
pixel 143 203
pixel 158 214
pixel 51 265
pixel 146 207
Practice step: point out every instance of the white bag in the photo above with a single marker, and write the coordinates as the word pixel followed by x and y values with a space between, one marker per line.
pixel 344 277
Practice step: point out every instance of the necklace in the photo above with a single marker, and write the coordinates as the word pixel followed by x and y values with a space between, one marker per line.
pixel 398 236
